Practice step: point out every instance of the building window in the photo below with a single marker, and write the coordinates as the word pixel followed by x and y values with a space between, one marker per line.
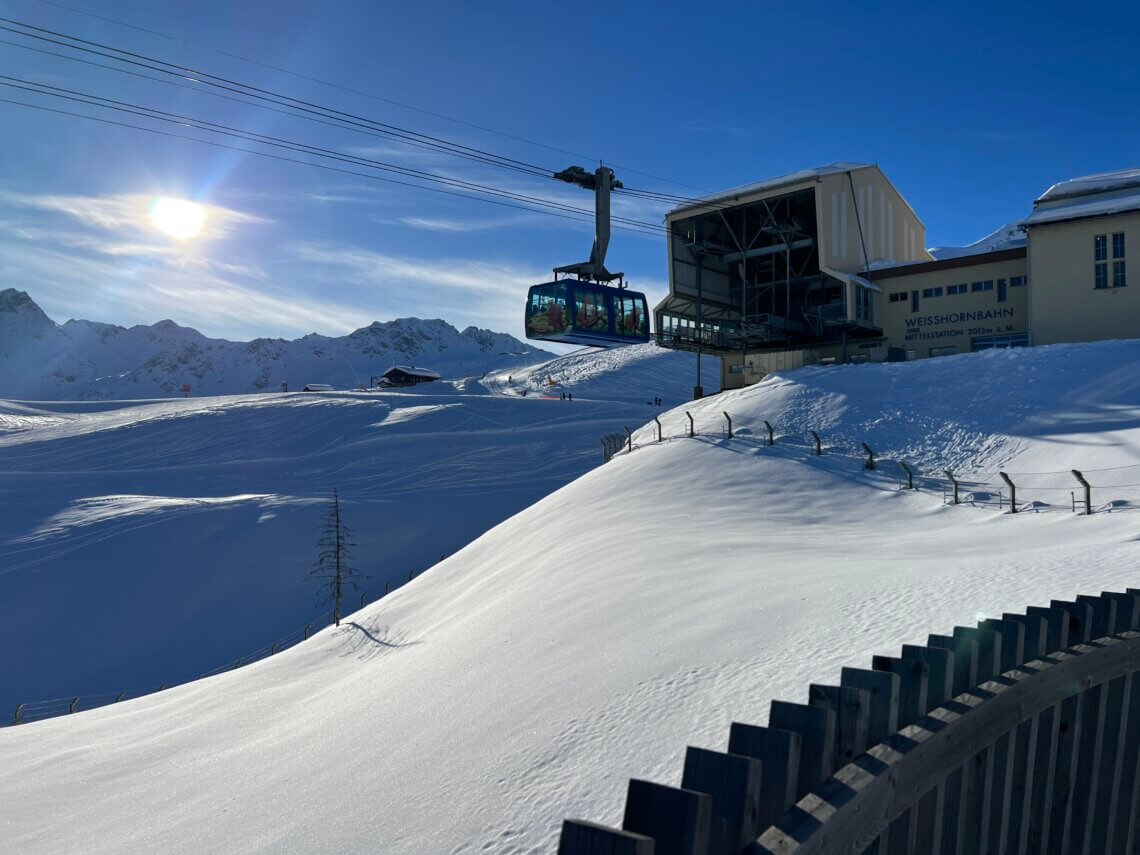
pixel 899 297
pixel 1118 274
pixel 988 285
pixel 988 342
pixel 1001 291
pixel 1118 245
pixel 931 292
pixel 943 351
pixel 914 301
pixel 1100 247
pixel 956 289
pixel 1017 282
pixel 1100 275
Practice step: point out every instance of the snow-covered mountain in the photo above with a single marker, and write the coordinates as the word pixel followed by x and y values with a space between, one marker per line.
pixel 81 360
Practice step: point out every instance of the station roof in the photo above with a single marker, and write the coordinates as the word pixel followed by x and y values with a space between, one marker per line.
pixel 735 194
pixel 1121 179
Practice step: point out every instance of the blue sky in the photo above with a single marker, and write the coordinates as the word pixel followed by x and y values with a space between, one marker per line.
pixel 970 111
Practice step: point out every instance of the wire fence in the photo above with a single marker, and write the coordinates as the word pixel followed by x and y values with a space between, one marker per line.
pixel 1084 491
pixel 39 710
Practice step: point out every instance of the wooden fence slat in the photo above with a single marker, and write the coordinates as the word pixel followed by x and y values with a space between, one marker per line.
pixel 902 836
pixel 884 690
pixel 1023 743
pixel 998 804
pixel 779 754
pixel 1124 818
pixel 972 814
pixel 1115 711
pixel 989 651
pixel 965 660
pixel 951 811
pixel 1080 619
pixel 1068 739
pixel 733 782
pixel 1103 614
pixel 580 837
pixel 1057 637
pixel 929 815
pixel 677 820
pixel 852 708
pixel 1012 641
pixel 1036 635
pixel 1036 828
pixel 1127 610
pixel 940 674
pixel 914 679
pixel 1089 759
pixel 816 727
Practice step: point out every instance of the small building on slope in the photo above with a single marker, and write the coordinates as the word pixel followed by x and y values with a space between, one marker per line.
pixel 407 375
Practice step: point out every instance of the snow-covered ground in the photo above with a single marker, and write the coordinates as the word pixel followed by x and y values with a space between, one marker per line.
pixel 595 634
pixel 163 539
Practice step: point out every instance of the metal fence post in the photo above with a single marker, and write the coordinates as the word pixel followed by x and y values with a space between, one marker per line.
pixel 410 574
pixel 605 450
pixel 953 481
pixel 387 587
pixel 870 462
pixel 768 425
pixel 658 427
pixel 1012 493
pixel 273 648
pixel 815 438
pixel 1088 490
pixel 629 437
pixel 729 418
pixel 690 415
pixel 909 475
pixel 362 596
pixel 16 714
pixel 119 696
pixel 71 706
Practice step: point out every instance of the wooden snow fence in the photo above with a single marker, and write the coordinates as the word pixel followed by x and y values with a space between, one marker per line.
pixel 1019 735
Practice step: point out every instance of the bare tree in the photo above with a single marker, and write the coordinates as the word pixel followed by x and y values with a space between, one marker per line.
pixel 334 564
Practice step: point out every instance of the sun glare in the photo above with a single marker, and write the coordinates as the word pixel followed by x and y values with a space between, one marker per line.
pixel 177 217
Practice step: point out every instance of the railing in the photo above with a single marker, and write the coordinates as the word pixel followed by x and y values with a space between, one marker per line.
pixel 1084 491
pixel 1021 734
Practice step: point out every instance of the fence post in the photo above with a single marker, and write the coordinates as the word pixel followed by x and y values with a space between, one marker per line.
pixel 119 697
pixel 16 714
pixel 658 427
pixel 388 587
pixel 690 415
pixel 273 648
pixel 410 574
pixel 1088 490
pixel 815 439
pixel 362 596
pixel 909 475
pixel 953 481
pixel 768 425
pixel 309 624
pixel 71 706
pixel 870 463
pixel 605 450
pixel 629 437
pixel 1012 493
pixel 729 419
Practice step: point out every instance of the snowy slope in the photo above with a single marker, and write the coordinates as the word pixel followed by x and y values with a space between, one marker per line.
pixel 42 360
pixel 594 635
pixel 170 537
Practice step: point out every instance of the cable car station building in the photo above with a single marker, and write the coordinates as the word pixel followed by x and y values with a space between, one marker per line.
pixel 829 265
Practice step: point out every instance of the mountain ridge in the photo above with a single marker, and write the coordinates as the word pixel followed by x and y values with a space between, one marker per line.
pixel 82 359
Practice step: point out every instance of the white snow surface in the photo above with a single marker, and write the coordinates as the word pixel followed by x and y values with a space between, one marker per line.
pixel 167 538
pixel 43 360
pixel 1009 236
pixel 1096 183
pixel 594 635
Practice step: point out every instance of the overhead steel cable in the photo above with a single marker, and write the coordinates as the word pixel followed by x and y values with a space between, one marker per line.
pixel 324 166
pixel 264 139
pixel 252 91
pixel 331 122
pixel 353 91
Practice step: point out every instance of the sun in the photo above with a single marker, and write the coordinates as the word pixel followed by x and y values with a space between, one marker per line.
pixel 177 217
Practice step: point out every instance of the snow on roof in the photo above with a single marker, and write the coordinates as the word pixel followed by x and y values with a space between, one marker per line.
pixel 1009 236
pixel 413 371
pixel 1119 180
pixel 771 184
pixel 1077 208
